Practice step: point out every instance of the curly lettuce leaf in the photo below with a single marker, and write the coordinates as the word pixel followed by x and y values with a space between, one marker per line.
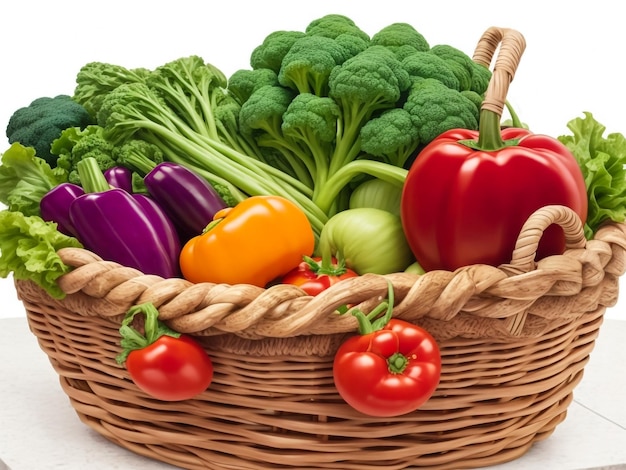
pixel 602 160
pixel 25 179
pixel 28 249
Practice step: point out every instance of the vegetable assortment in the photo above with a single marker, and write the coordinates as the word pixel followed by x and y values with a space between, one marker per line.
pixel 334 154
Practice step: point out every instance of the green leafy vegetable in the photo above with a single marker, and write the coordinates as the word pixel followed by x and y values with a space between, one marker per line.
pixel 601 159
pixel 25 179
pixel 28 249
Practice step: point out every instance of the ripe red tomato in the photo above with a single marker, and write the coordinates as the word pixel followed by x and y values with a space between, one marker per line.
pixel 162 362
pixel 388 372
pixel 313 276
pixel 171 369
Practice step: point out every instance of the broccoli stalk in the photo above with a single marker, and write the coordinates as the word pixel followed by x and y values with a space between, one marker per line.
pixel 135 111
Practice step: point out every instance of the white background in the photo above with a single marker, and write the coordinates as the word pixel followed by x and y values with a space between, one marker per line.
pixel 573 61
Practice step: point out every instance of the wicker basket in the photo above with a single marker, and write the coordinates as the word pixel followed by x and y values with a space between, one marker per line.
pixel 514 342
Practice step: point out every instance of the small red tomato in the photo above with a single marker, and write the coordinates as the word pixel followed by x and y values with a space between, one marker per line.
pixel 392 368
pixel 315 276
pixel 389 372
pixel 171 369
pixel 163 363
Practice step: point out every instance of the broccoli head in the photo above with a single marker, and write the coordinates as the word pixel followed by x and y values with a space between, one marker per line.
pixel 461 64
pixel 367 82
pixel 427 65
pixel 333 25
pixel 242 83
pixel 311 123
pixel 262 112
pixel 42 121
pixel 269 54
pixel 352 44
pixel 391 136
pixel 435 108
pixel 309 62
pixel 397 35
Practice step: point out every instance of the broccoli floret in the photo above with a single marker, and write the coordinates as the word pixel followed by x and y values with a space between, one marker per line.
pixel 397 35
pixel 263 111
pixel 435 108
pixel 391 136
pixel 460 63
pixel 371 81
pixel 269 54
pixel 474 98
pixel 261 118
pixel 242 83
pixel 96 79
pixel 75 144
pixel 42 121
pixel 309 62
pixel 481 76
pixel 138 155
pixel 310 121
pixel 352 44
pixel 333 25
pixel 427 65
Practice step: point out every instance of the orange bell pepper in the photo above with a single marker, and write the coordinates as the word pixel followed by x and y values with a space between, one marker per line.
pixel 258 240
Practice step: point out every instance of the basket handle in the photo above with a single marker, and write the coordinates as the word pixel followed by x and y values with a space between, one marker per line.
pixel 523 258
pixel 512 45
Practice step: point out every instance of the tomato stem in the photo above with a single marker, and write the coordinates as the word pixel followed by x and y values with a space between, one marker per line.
pixel 397 363
pixel 370 322
pixel 327 266
pixel 132 339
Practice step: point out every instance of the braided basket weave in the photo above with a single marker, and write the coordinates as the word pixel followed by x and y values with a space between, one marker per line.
pixel 514 341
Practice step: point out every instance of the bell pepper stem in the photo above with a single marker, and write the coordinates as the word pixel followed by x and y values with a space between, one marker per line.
pixel 132 339
pixel 489 137
pixel 91 176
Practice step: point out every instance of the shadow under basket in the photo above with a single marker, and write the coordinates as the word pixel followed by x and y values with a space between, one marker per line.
pixel 514 342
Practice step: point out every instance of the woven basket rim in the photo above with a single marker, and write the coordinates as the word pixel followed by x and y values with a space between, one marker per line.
pixel 522 298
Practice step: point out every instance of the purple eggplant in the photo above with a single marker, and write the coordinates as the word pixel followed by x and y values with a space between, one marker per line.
pixel 120 177
pixel 187 198
pixel 124 228
pixel 55 206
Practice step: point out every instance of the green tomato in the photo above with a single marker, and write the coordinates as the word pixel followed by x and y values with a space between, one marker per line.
pixel 369 240
pixel 378 194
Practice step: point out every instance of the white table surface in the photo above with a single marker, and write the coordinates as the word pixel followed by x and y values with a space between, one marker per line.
pixel 39 430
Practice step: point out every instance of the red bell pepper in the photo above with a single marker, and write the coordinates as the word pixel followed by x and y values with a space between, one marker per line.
pixel 468 193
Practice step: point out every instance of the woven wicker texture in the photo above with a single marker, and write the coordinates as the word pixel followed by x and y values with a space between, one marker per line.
pixel 514 342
